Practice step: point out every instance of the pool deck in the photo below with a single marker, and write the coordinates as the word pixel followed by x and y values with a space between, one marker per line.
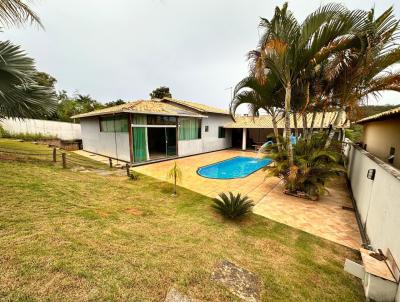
pixel 325 218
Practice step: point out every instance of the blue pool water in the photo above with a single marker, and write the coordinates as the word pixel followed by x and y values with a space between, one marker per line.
pixel 236 167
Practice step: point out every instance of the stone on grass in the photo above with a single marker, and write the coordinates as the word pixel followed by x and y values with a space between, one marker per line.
pixel 174 295
pixel 239 281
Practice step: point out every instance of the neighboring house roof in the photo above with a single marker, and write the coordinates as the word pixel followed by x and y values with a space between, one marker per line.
pixel 265 121
pixel 198 107
pixel 144 107
pixel 380 116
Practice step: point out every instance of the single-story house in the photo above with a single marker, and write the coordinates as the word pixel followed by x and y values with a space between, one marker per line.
pixel 381 135
pixel 148 130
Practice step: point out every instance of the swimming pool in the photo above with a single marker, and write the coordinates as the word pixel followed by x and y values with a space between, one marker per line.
pixel 236 167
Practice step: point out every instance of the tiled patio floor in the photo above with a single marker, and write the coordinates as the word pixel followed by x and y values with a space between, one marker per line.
pixel 324 218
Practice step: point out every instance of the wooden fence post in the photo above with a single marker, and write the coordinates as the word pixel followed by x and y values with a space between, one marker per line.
pixel 54 154
pixel 64 160
pixel 127 170
pixel 110 161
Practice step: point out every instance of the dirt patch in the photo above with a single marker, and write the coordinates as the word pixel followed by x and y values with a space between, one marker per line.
pixel 102 213
pixel 134 211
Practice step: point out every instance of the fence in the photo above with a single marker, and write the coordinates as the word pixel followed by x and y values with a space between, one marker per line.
pixel 61 130
pixel 376 190
pixel 55 156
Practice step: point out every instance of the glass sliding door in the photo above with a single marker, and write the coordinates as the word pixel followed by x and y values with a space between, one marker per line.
pixel 139 138
pixel 170 136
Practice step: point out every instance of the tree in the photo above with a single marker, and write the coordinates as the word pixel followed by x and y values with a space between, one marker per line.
pixel 267 96
pixel 20 94
pixel 160 92
pixel 77 104
pixel 175 174
pixel 17 13
pixel 45 80
pixel 366 68
pixel 115 103
pixel 291 50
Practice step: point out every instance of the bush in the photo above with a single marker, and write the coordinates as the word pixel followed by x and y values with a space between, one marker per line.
pixel 4 132
pixel 26 136
pixel 232 207
pixel 313 166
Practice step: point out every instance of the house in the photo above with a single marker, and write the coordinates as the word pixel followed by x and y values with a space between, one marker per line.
pixel 381 136
pixel 154 129
pixel 148 130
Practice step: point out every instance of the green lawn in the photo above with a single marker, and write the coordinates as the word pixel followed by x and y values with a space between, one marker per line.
pixel 70 236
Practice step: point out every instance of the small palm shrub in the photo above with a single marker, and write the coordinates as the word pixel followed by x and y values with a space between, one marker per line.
pixel 313 166
pixel 175 174
pixel 232 207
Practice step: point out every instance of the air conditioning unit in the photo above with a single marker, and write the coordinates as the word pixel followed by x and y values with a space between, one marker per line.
pixel 379 274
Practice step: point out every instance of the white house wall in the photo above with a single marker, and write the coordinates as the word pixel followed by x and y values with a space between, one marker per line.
pixel 110 144
pixel 209 140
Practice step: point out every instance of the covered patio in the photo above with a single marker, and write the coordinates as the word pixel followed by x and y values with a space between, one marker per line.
pixel 249 133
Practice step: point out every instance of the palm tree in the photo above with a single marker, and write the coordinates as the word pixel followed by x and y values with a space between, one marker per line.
pixel 266 96
pixel 176 174
pixel 291 50
pixel 17 13
pixel 20 95
pixel 365 70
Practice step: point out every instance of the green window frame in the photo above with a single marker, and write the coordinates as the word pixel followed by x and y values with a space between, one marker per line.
pixel 114 124
pixel 221 132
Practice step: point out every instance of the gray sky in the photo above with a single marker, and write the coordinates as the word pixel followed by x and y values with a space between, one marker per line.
pixel 127 48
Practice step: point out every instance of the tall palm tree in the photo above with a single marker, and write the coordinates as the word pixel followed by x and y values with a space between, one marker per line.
pixel 266 96
pixel 366 69
pixel 291 50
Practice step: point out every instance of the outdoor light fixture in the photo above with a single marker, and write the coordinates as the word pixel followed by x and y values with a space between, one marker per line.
pixel 371 174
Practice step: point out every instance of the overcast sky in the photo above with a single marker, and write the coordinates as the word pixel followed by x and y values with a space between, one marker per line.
pixel 123 49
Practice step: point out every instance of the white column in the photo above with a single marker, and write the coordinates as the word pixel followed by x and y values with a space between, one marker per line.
pixel 244 139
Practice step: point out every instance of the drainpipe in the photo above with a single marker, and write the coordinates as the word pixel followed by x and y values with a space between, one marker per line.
pixel 244 138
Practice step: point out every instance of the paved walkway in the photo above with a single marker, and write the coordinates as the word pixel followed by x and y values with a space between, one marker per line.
pixel 325 218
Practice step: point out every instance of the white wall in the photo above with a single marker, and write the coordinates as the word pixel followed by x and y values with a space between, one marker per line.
pixel 104 143
pixel 378 200
pixel 65 131
pixel 209 140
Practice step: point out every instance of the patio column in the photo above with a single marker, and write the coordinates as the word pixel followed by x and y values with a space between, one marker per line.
pixel 244 138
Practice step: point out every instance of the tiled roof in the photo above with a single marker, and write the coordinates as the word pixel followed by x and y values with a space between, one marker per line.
pixel 198 107
pixel 144 107
pixel 390 113
pixel 265 121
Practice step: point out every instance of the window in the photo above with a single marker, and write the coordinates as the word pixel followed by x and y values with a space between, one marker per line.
pixel 161 120
pixel 205 128
pixel 189 128
pixel 114 124
pixel 221 132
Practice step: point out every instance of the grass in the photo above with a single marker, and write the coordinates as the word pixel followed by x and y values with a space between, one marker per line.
pixel 45 154
pixel 70 236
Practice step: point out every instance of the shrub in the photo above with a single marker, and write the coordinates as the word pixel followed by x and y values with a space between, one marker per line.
pixel 232 207
pixel 313 166
pixel 4 132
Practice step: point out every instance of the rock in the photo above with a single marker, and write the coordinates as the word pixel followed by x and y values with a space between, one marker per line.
pixel 174 295
pixel 239 281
